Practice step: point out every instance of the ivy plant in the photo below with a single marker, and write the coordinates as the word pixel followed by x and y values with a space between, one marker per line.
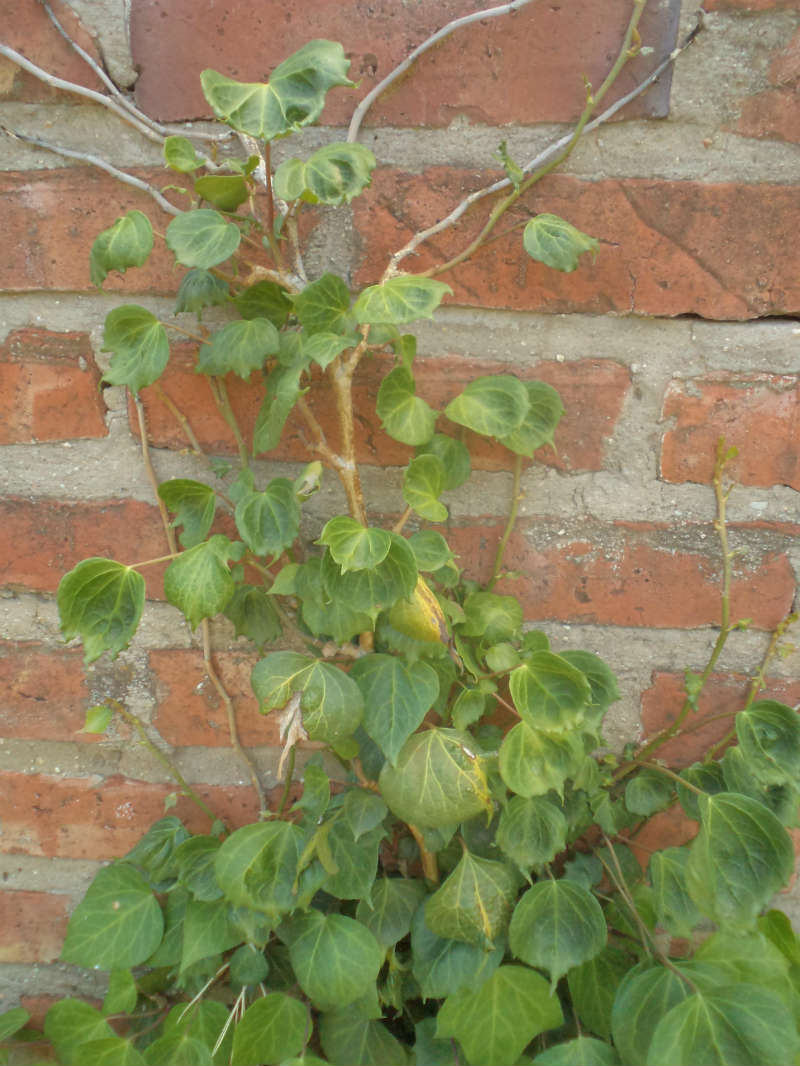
pixel 455 878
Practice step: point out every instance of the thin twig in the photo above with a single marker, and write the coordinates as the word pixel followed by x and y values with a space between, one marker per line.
pixel 95 161
pixel 230 711
pixel 169 531
pixel 401 68
pixel 539 160
pixel 182 420
pixel 516 497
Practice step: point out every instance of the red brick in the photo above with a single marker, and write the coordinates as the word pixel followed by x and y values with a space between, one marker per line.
pixel 38 1006
pixel 666 829
pixel 773 112
pixel 92 818
pixel 51 218
pixel 189 710
pixel 752 5
pixel 40 540
pixel 49 388
pixel 543 51
pixel 45 694
pixel 722 695
pixel 667 247
pixel 32 926
pixel 625 574
pixel 593 392
pixel 32 33
pixel 758 413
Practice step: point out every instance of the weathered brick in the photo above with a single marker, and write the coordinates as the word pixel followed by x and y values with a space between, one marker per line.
pixel 667 247
pixel 754 6
pixel 593 392
pixel 32 926
pixel 45 694
pixel 723 695
pixel 94 818
pixel 666 829
pixel 49 388
pixel 543 51
pixel 51 218
pixel 41 539
pixel 189 710
pixel 758 413
pixel 625 574
pixel 32 33
pixel 773 112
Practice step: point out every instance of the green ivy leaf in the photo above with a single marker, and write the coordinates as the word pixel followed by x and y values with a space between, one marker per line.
pixel 602 682
pixel 454 457
pixel 555 926
pixel 253 615
pixel 533 762
pixel 647 792
pixel 362 811
pixel 549 693
pixel 98 719
pixel 396 698
pixel 322 348
pixel 180 155
pixel 769 737
pixel 264 299
pixel 445 967
pixel 438 780
pixel 128 243
pixel 557 243
pixel 739 859
pixel 430 549
pixel 495 1022
pixel 202 238
pixel 269 521
pixel 118 924
pixel 101 602
pixel 323 306
pixel 140 346
pixel 492 617
pixel 71 1023
pixel 331 703
pixel 334 174
pixel 743 1023
pixel 194 859
pixel 388 910
pixel 593 986
pixel 493 406
pixel 257 865
pixel 272 1029
pixel 400 300
pixel 405 416
pixel 199 289
pixel 177 1047
pixel 353 546
pixel 199 582
pixel 423 483
pixel 667 873
pixel 282 391
pixel 644 996
pixel 376 588
pixel 294 96
pixel 224 191
pixel 356 861
pixel 335 959
pixel 194 505
pixel 582 1051
pixel 207 931
pixel 204 1022
pixel 742 776
pixel 545 410
pixel 709 777
pixel 238 348
pixel 531 830
pixel 122 993
pixel 346 1037
pixel 474 903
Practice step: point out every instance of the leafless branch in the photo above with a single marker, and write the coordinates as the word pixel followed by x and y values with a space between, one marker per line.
pixel 445 31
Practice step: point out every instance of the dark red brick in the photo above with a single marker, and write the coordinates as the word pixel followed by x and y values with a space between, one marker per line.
pixel 719 250
pixel 49 388
pixel 542 51
pixel 758 413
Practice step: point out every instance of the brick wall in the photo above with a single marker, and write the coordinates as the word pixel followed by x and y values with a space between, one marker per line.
pixel 685 328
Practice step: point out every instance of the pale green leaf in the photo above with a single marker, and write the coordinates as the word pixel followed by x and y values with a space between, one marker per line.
pixel 101 602
pixel 531 830
pixel 769 736
pixel 423 483
pixel 400 300
pixel 557 243
pixel 257 865
pixel 396 698
pixel 533 762
pixel 97 719
pixel 224 191
pixel 272 1029
pixel 269 521
pixel 118 924
pixel 454 457
pixel 405 416
pixel 544 413
pixel 474 902
pixel 353 546
pixel 582 1051
pixel 496 1021
pixel 493 406
pixel 128 243
pixel 649 791
pixel 492 617
pixel 294 96
pixel 207 930
pixel 334 174
pixel 238 348
pixel 180 155
pixel 549 693
pixel 376 588
pixel 194 505
pixel 430 549
pixel 199 581
pixel 322 307
pixel 177 1049
pixel 199 289
pixel 438 779
pixel 202 238
pixel 282 391
pixel 555 926
pixel 140 346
